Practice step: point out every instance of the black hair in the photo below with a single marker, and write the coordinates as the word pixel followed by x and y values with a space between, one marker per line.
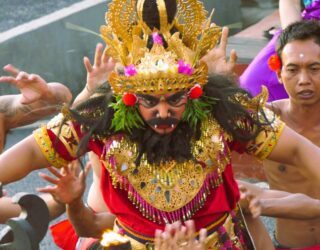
pixel 230 109
pixel 301 30
pixel 150 13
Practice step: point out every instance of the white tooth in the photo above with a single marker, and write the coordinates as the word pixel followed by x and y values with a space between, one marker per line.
pixel 155 126
pixel 172 125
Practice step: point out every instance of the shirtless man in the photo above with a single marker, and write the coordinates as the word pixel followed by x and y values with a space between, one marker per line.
pixel 299 50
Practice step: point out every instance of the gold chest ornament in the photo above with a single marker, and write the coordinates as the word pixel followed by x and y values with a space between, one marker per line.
pixel 170 191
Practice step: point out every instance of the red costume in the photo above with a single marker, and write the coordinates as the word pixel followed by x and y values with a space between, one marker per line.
pixel 208 193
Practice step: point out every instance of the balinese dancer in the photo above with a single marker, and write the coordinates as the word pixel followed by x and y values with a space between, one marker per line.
pixel 163 130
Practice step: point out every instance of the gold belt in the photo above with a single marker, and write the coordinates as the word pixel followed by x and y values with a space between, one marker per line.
pixel 141 242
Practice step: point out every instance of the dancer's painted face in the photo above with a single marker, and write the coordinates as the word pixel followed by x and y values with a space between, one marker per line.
pixel 162 112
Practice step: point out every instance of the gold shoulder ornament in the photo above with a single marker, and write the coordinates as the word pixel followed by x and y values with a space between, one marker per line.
pixel 267 138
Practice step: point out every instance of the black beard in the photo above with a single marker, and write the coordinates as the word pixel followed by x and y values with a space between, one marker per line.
pixel 160 148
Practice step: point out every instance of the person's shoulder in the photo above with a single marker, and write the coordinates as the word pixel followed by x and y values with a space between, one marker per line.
pixel 278 106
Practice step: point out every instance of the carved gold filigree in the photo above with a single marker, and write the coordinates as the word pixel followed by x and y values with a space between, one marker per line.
pixel 126 36
pixel 171 185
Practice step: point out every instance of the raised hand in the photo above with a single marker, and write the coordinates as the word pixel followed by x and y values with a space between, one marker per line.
pixel 98 73
pixel 31 86
pixel 176 236
pixel 216 59
pixel 251 203
pixel 68 185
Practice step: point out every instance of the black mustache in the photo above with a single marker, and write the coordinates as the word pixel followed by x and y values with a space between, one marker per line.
pixel 159 121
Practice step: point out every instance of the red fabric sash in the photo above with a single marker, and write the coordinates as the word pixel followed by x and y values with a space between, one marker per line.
pixel 64 235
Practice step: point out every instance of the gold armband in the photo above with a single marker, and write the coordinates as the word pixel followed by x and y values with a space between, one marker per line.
pixel 266 140
pixel 45 144
pixel 66 134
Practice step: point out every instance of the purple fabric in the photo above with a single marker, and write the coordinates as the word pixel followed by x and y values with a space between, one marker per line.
pixel 312 11
pixel 258 73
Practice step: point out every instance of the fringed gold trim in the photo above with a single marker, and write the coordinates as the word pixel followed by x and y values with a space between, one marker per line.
pixel 43 140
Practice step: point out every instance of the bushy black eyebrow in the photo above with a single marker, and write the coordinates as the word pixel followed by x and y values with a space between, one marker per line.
pixel 175 96
pixel 149 97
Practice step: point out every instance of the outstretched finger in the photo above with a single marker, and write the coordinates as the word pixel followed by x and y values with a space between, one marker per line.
pixel 55 172
pixel 98 55
pixel 190 231
pixel 233 57
pixel 22 76
pixel 8 79
pixel 35 77
pixel 157 240
pixel 47 189
pixel 202 236
pixel 224 39
pixel 105 57
pixel 166 241
pixel 11 69
pixel 87 64
pixel 49 178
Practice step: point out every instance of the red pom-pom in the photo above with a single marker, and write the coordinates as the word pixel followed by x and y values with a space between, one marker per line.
pixel 129 99
pixel 195 92
pixel 274 63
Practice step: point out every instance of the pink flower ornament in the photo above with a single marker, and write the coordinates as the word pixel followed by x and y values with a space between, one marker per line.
pixel 130 70
pixel 157 39
pixel 184 68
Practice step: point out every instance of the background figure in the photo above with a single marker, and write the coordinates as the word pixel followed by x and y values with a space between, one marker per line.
pixel 298 51
pixel 38 99
pixel 258 72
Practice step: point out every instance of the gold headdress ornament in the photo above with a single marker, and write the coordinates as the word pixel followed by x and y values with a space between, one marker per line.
pixel 172 67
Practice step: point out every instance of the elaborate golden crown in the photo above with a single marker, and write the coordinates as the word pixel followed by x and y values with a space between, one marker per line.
pixel 175 66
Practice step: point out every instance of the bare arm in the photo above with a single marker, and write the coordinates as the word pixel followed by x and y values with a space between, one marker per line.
pixel 18 161
pixel 9 210
pixel 275 203
pixel 292 206
pixel 290 11
pixel 86 222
